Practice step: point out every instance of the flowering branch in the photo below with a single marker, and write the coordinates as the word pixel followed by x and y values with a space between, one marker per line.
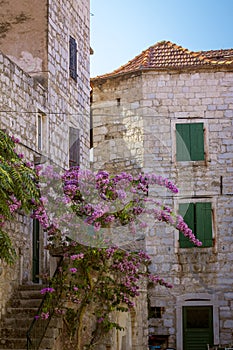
pixel 18 186
pixel 102 279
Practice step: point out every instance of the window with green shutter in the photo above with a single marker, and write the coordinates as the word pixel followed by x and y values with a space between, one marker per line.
pixel 198 216
pixel 190 142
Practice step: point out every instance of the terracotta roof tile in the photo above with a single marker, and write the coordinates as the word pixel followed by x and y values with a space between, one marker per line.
pixel 166 54
pixel 218 55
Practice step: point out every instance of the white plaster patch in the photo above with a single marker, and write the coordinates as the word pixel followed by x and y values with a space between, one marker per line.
pixel 27 62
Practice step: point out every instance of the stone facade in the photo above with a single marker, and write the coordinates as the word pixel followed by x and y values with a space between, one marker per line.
pixel 40 101
pixel 134 129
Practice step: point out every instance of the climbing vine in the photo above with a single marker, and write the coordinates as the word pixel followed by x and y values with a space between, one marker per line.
pixel 17 190
pixel 98 277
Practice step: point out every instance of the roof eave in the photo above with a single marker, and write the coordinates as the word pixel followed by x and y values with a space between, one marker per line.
pixel 159 69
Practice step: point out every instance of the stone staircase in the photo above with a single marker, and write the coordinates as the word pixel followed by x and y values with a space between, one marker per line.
pixel 20 312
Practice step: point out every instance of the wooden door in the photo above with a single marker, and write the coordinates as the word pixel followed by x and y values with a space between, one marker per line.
pixel 197 327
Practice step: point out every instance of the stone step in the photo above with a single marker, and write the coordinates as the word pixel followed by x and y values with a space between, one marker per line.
pixel 31 312
pixel 27 303
pixel 12 321
pixel 31 287
pixel 31 294
pixel 13 332
pixel 20 313
pixel 14 343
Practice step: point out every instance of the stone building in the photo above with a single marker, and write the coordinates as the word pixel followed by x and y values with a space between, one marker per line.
pixel 170 111
pixel 44 83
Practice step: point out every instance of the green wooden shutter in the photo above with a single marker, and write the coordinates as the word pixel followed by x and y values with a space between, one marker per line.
pixel 187 211
pixel 204 223
pixel 183 151
pixel 197 327
pixel 196 131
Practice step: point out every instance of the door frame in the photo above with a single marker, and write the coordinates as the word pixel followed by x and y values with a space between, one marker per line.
pixel 35 251
pixel 196 299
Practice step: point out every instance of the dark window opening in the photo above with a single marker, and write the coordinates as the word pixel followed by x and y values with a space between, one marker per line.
pixel 74 147
pixel 73 58
pixel 39 136
pixel 155 312
pixel 91 130
pixel 118 102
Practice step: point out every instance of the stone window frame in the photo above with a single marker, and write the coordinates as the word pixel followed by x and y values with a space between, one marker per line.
pixel 199 199
pixel 196 299
pixel 190 120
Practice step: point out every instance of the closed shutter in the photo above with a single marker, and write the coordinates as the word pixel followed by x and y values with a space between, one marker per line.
pixel 204 223
pixel 190 142
pixel 183 142
pixel 197 327
pixel 73 58
pixel 187 211
pixel 74 147
pixel 197 141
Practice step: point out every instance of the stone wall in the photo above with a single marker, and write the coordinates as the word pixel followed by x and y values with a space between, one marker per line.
pixel 155 102
pixel 23 35
pixel 68 99
pixel 21 96
pixel 60 101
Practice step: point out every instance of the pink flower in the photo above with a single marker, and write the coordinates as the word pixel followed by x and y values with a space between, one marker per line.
pixel 44 315
pixel 20 155
pixel 47 290
pixel 73 269
pixel 15 139
pixel 77 256
pixel 97 226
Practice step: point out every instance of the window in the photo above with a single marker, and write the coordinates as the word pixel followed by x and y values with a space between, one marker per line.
pixel 73 58
pixel 190 142
pixel 198 216
pixel 74 147
pixel 41 131
pixel 155 312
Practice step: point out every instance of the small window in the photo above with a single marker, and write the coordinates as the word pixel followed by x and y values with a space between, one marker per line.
pixel 198 217
pixel 73 58
pixel 155 312
pixel 190 142
pixel 74 147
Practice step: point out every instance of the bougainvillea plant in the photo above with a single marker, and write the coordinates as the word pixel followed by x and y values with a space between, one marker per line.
pixel 18 186
pixel 98 277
